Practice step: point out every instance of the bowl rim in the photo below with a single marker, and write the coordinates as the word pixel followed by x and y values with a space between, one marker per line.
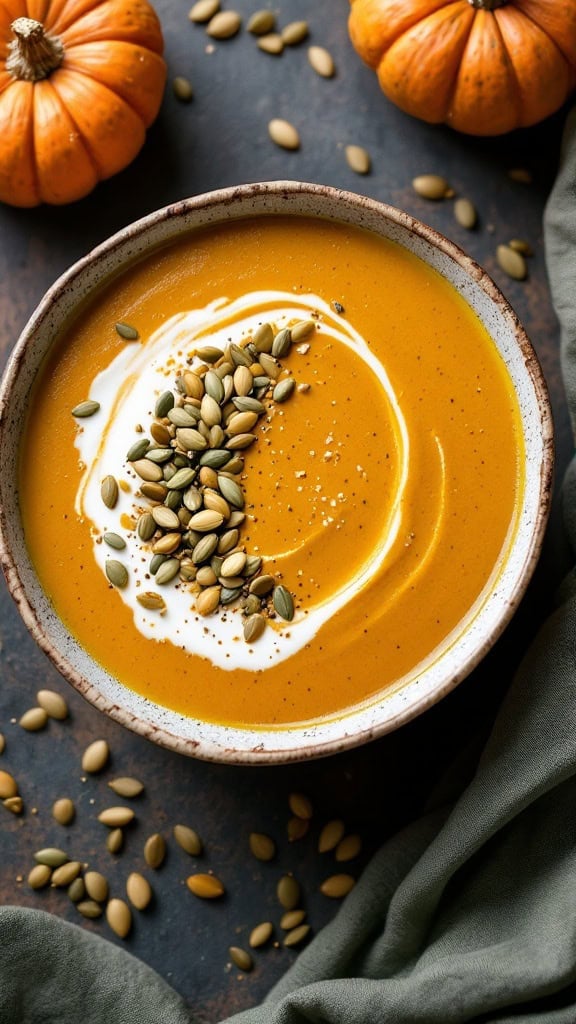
pixel 347 738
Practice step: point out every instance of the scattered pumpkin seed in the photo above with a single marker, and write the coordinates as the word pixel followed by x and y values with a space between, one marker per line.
pixel 321 61
pixel 116 817
pixel 337 886
pixel 34 719
pixel 188 839
pixel 63 810
pixel 115 840
pixel 430 186
pixel 85 409
pixel 127 331
pixel 261 22
pixel 54 705
pixel 119 917
pixel 288 892
pixel 511 262
pixel 155 850
pixel 283 133
pixel 8 785
pixel 208 600
pixel 77 890
pixel 95 757
pixel 283 603
pixel 224 25
pixel 39 876
pixel 204 10
pixel 182 89
pixel 254 627
pixel 291 919
pixel 295 32
pixel 297 828
pixel 358 159
pixel 206 887
pixel 331 835
pixel 109 491
pixel 152 602
pixel 114 540
pixel 271 43
pixel 96 886
pixel 63 876
pixel 89 909
pixel 348 848
pixel 116 572
pixel 51 856
pixel 296 936
pixel 300 805
pixel 283 390
pixel 137 450
pixel 126 786
pixel 262 846
pixel 261 934
pixel 519 245
pixel 138 890
pixel 240 958
pixel 465 213
pixel 14 804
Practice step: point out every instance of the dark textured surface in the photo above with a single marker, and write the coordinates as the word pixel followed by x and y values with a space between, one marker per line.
pixel 221 139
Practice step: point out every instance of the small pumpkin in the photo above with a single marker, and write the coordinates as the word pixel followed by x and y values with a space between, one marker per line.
pixel 80 82
pixel 485 67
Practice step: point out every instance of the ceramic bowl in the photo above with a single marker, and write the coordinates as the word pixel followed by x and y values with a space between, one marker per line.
pixel 219 743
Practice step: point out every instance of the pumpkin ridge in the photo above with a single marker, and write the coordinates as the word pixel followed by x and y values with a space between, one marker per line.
pixel 83 141
pixel 73 62
pixel 567 51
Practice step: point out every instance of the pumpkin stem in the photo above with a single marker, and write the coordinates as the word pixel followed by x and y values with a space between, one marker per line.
pixel 487 5
pixel 32 54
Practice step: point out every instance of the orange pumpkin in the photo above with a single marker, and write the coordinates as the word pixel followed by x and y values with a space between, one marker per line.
pixel 80 82
pixel 483 66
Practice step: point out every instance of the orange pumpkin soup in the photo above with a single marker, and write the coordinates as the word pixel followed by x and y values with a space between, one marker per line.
pixel 379 492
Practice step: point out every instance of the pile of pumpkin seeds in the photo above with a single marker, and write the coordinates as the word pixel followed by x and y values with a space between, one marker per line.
pixel 191 470
pixel 89 890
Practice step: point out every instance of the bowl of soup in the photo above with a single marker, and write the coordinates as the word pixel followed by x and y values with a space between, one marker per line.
pixel 276 466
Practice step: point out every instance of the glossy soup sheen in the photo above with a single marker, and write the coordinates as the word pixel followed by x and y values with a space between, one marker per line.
pixel 464 475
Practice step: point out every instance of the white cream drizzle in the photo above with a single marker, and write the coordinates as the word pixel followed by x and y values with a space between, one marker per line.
pixel 126 392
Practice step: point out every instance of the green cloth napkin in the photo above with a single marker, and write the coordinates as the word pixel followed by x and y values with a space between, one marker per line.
pixel 467 915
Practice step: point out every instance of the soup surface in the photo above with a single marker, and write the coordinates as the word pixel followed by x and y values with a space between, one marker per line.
pixel 380 492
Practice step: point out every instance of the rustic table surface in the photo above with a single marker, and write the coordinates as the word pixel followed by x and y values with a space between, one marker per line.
pixel 221 139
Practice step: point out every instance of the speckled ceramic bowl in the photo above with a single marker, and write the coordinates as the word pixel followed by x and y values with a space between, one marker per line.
pixel 233 745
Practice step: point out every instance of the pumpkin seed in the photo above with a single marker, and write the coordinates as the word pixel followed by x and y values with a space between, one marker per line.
pixel 358 159
pixel 254 627
pixel 331 835
pixel 271 43
pixel 115 840
pixel 159 455
pixel 261 934
pixel 430 186
pixel 214 501
pixel 63 810
pixel 281 344
pixel 154 491
pixel 89 909
pixel 300 805
pixel 148 471
pixel 283 390
pixel 54 705
pixel 348 848
pixel 206 887
pixel 138 890
pixel 85 409
pixel 261 22
pixel 291 919
pixel 321 61
pixel 109 491
pixel 39 876
pixel 188 839
pixel 181 480
pixel 51 856
pixel 116 572
pixel 116 817
pixel 113 540
pixel 216 458
pixel 227 541
pixel 165 518
pixel 205 548
pixel 164 403
pixel 77 890
pixel 152 602
pixel 234 564
pixel 465 213
pixel 96 886
pixel 295 32
pixel 14 804
pixel 270 365
pixel 182 89
pixel 167 571
pixel 283 603
pixel 8 785
pixel 203 10
pixel 297 935
pixel 224 25
pixel 95 757
pixel 283 133
pixel 241 958
pixel 138 450
pixel 126 786
pixel 208 600
pixel 262 585
pixel 240 441
pixel 206 521
pixel 34 719
pixel 127 331
pixel 155 562
pixel 511 262
pixel 63 876
pixel 288 892
pixel 337 886
pixel 146 526
pixel 210 353
pixel 160 433
pixel 119 917
pixel 262 846
pixel 155 850
pixel 519 245
pixel 297 828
